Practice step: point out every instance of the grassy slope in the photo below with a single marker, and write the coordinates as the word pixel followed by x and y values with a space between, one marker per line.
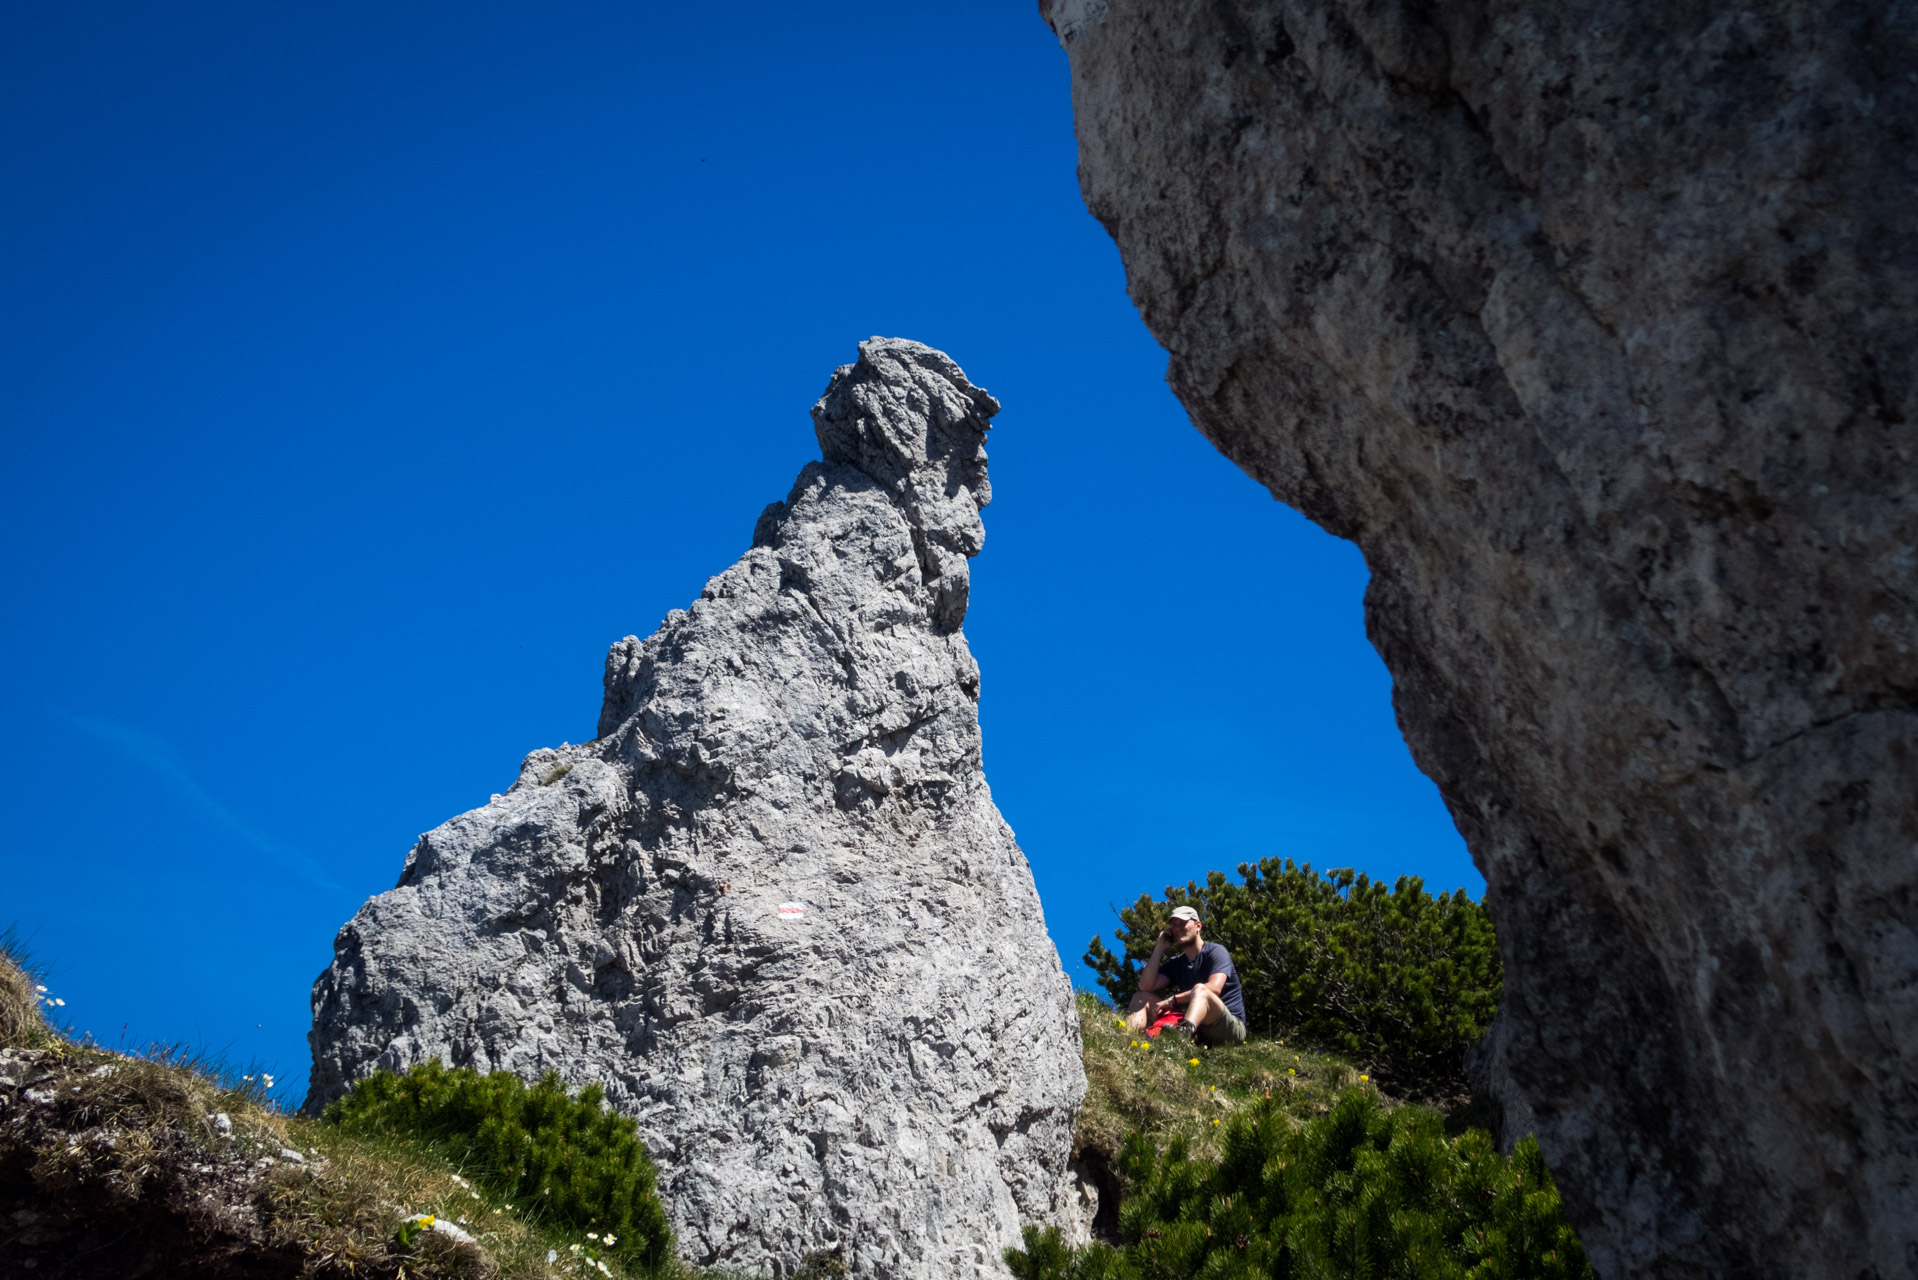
pixel 1157 1087
pixel 341 1210
pixel 1166 1089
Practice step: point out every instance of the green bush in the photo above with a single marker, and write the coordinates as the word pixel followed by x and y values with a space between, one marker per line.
pixel 1397 979
pixel 572 1161
pixel 1359 1191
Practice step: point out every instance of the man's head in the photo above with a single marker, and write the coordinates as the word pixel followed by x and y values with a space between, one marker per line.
pixel 1184 925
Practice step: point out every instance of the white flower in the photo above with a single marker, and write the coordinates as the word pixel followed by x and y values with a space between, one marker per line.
pixel 60 1002
pixel 552 1256
pixel 612 1240
pixel 592 1235
pixel 37 987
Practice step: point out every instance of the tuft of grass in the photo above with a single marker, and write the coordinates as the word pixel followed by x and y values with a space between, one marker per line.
pixel 22 1025
pixel 1156 1088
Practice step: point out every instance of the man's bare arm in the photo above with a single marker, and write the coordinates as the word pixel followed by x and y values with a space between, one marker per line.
pixel 1215 984
pixel 1152 980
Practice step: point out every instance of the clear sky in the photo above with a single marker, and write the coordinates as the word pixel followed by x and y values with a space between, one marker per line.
pixel 367 369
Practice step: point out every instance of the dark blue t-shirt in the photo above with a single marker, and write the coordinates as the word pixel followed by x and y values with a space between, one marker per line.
pixel 1213 958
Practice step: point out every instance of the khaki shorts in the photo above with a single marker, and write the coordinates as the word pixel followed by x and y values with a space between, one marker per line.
pixel 1225 1029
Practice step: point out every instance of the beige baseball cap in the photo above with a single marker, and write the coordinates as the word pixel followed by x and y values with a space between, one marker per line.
pixel 1184 913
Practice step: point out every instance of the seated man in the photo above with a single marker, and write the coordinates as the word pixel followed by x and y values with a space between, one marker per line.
pixel 1201 975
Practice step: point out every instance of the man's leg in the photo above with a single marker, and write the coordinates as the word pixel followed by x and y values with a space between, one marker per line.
pixel 1136 1011
pixel 1205 1009
pixel 1217 1026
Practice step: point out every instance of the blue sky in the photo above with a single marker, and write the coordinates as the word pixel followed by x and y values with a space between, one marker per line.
pixel 368 369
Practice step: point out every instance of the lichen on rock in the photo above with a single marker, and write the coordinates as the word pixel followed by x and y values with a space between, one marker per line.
pixel 771 907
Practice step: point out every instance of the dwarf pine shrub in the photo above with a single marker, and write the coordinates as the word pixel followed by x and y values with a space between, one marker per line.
pixel 572 1161
pixel 1395 978
pixel 1359 1191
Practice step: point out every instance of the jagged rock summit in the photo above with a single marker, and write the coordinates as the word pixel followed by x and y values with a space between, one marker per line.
pixel 772 907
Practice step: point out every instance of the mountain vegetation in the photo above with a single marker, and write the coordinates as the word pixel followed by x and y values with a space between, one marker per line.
pixel 573 1158
pixel 1362 1190
pixel 167 1162
pixel 1164 1089
pixel 1272 1159
pixel 1397 979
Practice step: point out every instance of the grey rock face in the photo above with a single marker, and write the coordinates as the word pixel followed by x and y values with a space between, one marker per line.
pixel 772 908
pixel 1591 323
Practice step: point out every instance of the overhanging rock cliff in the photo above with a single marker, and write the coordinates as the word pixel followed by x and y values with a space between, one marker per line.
pixel 1592 324
pixel 772 907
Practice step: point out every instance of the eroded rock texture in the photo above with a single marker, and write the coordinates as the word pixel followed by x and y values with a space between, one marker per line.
pixel 892 1075
pixel 1591 323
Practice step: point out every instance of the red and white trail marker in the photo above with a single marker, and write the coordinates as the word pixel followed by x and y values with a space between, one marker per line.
pixel 792 910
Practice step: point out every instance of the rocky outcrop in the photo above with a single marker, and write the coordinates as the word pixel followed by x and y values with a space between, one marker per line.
pixel 771 908
pixel 1591 324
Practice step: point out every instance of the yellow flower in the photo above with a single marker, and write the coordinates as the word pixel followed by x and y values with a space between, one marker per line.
pixel 1191 1062
pixel 1365 1077
pixel 1290 1072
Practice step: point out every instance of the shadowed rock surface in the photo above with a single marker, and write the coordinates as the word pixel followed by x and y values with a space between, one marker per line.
pixel 772 908
pixel 1591 323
